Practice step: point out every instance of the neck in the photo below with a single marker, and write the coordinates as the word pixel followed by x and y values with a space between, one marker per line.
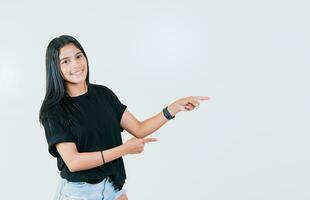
pixel 76 89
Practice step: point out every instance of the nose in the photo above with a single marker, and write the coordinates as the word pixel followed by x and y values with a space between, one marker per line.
pixel 75 65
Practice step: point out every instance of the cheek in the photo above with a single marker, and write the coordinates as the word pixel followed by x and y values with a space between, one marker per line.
pixel 64 71
pixel 84 63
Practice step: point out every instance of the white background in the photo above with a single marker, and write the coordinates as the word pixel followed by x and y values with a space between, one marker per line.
pixel 250 141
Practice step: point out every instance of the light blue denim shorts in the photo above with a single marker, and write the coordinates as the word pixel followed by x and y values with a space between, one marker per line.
pixel 86 191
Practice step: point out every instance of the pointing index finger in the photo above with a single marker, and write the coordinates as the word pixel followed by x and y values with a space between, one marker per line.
pixel 201 98
pixel 146 140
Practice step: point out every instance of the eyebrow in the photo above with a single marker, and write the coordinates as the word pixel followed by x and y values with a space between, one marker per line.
pixel 69 56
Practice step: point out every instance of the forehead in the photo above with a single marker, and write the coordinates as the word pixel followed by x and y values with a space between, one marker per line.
pixel 68 50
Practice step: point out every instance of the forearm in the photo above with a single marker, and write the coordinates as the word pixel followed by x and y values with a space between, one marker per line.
pixel 88 160
pixel 152 124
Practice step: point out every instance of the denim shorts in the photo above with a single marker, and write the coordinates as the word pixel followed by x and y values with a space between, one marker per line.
pixel 104 190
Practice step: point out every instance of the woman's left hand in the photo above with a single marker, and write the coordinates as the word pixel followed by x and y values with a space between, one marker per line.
pixel 186 104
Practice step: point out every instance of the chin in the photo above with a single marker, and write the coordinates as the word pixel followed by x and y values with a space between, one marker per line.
pixel 76 81
pixel 80 81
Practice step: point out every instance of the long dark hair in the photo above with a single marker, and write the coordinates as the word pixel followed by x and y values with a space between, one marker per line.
pixel 55 84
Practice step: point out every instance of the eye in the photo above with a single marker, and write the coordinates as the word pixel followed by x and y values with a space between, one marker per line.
pixel 65 62
pixel 79 56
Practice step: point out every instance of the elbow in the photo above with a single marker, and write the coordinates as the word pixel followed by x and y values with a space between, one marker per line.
pixel 73 165
pixel 72 169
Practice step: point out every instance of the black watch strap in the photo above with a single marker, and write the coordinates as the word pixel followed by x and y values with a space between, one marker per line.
pixel 167 113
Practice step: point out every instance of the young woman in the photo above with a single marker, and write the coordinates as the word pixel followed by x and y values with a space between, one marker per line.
pixel 83 124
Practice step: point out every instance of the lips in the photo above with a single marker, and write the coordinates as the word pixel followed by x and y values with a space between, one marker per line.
pixel 77 72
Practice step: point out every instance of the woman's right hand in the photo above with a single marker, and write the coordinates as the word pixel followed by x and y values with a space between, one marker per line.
pixel 136 145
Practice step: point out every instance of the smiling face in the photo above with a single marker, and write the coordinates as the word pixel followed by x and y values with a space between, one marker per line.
pixel 73 65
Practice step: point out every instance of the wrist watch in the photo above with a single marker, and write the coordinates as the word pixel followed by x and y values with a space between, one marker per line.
pixel 167 113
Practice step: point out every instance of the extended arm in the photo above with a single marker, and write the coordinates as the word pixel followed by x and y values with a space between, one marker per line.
pixel 79 161
pixel 141 129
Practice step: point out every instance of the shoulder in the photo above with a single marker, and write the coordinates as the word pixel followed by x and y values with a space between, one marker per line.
pixel 102 89
pixel 53 113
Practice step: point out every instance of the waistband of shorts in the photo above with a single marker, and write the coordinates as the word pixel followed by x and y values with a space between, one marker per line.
pixel 95 181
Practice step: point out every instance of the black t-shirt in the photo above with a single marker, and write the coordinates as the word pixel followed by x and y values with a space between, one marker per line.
pixel 95 117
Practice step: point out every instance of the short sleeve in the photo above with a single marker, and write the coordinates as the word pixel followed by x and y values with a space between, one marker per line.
pixel 118 106
pixel 56 132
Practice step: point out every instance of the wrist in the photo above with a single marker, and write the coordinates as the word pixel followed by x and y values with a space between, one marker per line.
pixel 172 109
pixel 124 149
